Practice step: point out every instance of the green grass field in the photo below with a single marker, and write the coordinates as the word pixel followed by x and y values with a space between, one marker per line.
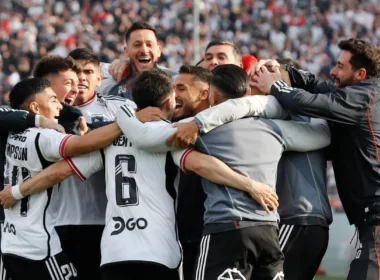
pixel 329 278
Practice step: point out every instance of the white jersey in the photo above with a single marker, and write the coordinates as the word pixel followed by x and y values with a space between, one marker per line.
pixel 140 217
pixel 84 203
pixel 29 225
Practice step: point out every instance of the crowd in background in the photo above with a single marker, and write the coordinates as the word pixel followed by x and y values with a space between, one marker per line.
pixel 305 30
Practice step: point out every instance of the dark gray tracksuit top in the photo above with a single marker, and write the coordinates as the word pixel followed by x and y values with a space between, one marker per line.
pixel 252 147
pixel 353 113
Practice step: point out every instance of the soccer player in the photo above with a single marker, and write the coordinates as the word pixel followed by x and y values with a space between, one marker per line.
pixel 62 75
pixel 239 86
pixel 143 52
pixel 29 240
pixel 140 236
pixel 350 104
pixel 17 121
pixel 81 206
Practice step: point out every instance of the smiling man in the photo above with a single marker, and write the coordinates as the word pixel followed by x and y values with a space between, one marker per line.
pixel 143 52
pixel 30 241
pixel 350 103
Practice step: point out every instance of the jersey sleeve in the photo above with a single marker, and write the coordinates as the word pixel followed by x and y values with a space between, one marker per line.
pixel 346 105
pixel 15 120
pixel 52 144
pixel 302 136
pixel 307 81
pixel 150 137
pixel 179 158
pixel 86 165
pixel 234 109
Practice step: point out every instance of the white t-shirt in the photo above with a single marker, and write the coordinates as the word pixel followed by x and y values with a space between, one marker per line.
pixel 84 203
pixel 140 216
pixel 29 225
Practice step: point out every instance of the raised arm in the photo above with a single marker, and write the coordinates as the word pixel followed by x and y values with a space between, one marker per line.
pixel 302 136
pixel 92 141
pixel 218 172
pixel 346 105
pixel 143 135
pixel 19 120
pixel 234 109
pixel 307 81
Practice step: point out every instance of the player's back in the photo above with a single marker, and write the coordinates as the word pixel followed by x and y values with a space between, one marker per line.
pixel 251 147
pixel 29 224
pixel 84 203
pixel 140 211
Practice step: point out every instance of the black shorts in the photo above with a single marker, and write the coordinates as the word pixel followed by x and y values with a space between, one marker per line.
pixel 189 253
pixel 81 243
pixel 304 245
pixel 247 253
pixel 54 268
pixel 366 263
pixel 138 271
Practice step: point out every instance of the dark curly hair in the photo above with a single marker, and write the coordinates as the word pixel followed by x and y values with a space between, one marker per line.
pixel 364 55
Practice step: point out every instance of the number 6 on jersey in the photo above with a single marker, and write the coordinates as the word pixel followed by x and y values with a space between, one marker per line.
pixel 126 188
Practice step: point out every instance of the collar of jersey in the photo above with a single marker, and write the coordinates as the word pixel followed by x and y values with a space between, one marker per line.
pixel 88 101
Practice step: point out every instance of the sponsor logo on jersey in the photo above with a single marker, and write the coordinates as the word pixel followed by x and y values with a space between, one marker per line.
pixel 9 228
pixel 130 225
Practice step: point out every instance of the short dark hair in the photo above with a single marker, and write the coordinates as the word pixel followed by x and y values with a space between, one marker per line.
pixel 54 64
pixel 86 55
pixel 200 74
pixel 150 88
pixel 25 89
pixel 235 49
pixel 139 26
pixel 231 80
pixel 364 55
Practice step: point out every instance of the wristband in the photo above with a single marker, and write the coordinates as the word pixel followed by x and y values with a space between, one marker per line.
pixel 37 121
pixel 16 192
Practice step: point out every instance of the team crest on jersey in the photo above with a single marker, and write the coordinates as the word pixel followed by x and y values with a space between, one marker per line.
pixel 97 118
pixel 231 274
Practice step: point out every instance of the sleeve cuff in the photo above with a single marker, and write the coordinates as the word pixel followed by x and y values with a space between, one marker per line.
pixel 280 87
pixel 31 120
pixel 183 161
pixel 62 146
pixel 75 169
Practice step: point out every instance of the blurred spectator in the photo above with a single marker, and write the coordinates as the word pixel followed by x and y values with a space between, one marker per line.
pixel 303 30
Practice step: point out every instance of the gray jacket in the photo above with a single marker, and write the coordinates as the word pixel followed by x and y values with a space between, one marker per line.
pixel 301 179
pixel 301 187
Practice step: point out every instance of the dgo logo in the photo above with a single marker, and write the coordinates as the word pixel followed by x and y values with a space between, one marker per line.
pixel 130 224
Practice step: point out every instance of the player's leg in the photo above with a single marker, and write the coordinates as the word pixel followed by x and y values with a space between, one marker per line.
pixel 190 252
pixel 366 263
pixel 304 245
pixel 223 256
pixel 269 265
pixel 53 268
pixel 81 243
